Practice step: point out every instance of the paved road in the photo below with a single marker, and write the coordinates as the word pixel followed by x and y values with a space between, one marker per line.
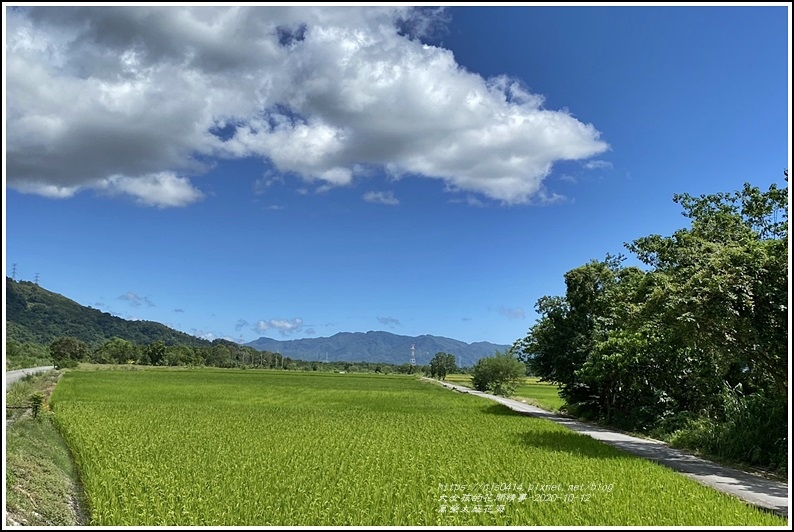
pixel 15 375
pixel 759 491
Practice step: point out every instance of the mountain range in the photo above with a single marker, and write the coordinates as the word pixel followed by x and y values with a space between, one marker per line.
pixel 377 346
pixel 35 314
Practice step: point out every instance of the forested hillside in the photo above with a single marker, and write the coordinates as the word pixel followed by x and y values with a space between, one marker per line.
pixel 36 315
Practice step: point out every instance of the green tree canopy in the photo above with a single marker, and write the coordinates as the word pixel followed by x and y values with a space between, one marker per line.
pixel 115 351
pixel 442 365
pixel 704 328
pixel 499 374
pixel 154 353
pixel 67 351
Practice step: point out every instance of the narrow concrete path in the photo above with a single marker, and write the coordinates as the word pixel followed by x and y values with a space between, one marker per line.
pixel 759 491
pixel 15 375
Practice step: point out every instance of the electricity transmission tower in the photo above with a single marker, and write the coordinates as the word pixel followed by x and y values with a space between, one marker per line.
pixel 413 355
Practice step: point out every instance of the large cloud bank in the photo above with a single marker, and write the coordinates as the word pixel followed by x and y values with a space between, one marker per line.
pixel 137 100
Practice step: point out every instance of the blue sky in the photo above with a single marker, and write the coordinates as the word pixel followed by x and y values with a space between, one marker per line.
pixel 300 172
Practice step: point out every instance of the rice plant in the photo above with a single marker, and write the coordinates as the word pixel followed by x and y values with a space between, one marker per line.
pixel 259 448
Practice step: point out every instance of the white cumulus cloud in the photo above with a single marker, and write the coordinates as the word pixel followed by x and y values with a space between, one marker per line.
pixel 384 197
pixel 160 190
pixel 284 326
pixel 135 99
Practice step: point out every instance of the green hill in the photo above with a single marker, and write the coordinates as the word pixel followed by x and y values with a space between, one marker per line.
pixel 36 315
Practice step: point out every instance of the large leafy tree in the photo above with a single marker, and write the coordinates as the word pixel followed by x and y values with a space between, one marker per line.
pixel 727 279
pixel 179 355
pixel 115 351
pixel 707 317
pixel 67 351
pixel 154 353
pixel 569 328
pixel 546 349
pixel 442 365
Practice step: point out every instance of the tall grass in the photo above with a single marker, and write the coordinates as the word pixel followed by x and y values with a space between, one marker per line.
pixel 226 447
pixel 752 431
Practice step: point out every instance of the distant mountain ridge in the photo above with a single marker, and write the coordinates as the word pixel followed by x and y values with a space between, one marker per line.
pixel 35 314
pixel 377 346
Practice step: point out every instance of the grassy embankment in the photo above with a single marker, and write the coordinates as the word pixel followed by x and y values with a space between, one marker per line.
pixel 230 447
pixel 42 487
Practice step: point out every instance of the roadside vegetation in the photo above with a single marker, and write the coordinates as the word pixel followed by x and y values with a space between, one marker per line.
pixel 42 487
pixel 692 349
pixel 257 447
pixel 20 355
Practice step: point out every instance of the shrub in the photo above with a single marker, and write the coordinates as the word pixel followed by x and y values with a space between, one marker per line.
pixel 36 402
pixel 500 374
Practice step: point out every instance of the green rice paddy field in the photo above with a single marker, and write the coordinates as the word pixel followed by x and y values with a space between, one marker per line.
pixel 234 447
pixel 542 394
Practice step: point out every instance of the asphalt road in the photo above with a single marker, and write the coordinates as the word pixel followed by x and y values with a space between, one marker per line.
pixel 15 375
pixel 759 491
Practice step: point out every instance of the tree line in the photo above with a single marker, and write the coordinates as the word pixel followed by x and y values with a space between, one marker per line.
pixel 68 352
pixel 693 345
